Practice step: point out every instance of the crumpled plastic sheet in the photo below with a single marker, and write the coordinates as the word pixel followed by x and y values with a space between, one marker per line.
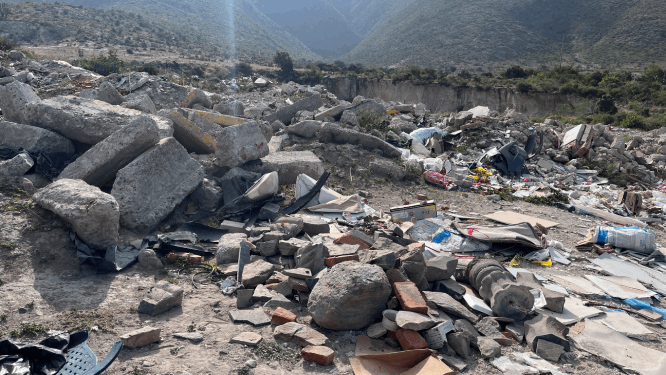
pixel 116 258
pixel 44 358
pixel 47 165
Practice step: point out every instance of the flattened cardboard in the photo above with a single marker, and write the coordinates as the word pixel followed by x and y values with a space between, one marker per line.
pixel 508 217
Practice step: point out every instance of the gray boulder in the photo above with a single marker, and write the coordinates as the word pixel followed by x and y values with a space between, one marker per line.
pixel 16 55
pixel 335 112
pixel 228 248
pixel 239 144
pixel 350 296
pixel 256 273
pixel 333 133
pixel 162 297
pixel 93 214
pixel 105 92
pixel 151 186
pixel 33 139
pixel 207 196
pixel 235 108
pixel 100 163
pixel 147 258
pixel 197 96
pixel 367 106
pixel 85 120
pixel 16 166
pixel 13 99
pixel 305 129
pixel 141 103
pixel 285 114
pixel 348 117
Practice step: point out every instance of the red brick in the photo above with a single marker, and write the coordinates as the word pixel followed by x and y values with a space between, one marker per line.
pixel 391 335
pixel 319 354
pixel 410 297
pixel 330 262
pixel 282 316
pixel 348 239
pixel 410 340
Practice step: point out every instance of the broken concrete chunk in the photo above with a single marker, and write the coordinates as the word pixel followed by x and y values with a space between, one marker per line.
pixel 288 165
pixel 228 248
pixel 151 186
pixel 141 337
pixel 84 120
pixel 546 328
pixel 247 338
pixel 440 268
pixel 290 246
pixel 93 214
pixel 256 317
pixel 33 139
pixel 256 273
pixel 460 343
pixel 413 321
pixel 239 144
pixel 262 294
pixel 13 99
pixel 357 300
pixel 305 129
pixel 234 108
pixel 286 114
pixel 367 106
pixel 299 334
pixel 105 92
pixel 312 257
pixel 333 133
pixel 376 331
pixel 16 166
pixel 100 163
pixel 191 136
pixel 488 347
pixel 267 248
pixel 197 96
pixel 148 258
pixel 162 297
pixel 141 102
pixel 449 305
pixel 298 273
pixel 194 337
pixel 549 351
pixel 290 226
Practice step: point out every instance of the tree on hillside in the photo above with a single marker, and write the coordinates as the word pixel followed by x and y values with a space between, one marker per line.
pixel 4 11
pixel 654 73
pixel 283 60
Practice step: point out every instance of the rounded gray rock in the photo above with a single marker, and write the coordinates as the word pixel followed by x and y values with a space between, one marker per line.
pixel 349 296
pixel 228 248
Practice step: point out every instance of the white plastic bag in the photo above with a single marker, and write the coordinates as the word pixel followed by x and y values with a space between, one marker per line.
pixel 433 164
pixel 424 133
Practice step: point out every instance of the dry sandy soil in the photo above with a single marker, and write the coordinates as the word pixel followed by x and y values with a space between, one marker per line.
pixel 41 274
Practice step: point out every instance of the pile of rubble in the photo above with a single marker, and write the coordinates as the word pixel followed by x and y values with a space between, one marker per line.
pixel 143 153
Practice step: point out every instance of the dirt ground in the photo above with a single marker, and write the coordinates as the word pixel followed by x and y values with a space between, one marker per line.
pixel 42 283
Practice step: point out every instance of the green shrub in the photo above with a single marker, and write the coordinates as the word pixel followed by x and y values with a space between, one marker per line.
pixel 150 69
pixel 104 65
pixel 633 120
pixel 7 44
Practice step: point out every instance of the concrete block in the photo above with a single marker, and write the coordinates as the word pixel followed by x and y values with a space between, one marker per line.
pixel 191 136
pixel 93 214
pixel 162 297
pixel 16 166
pixel 239 144
pixel 288 165
pixel 333 133
pixel 100 163
pixel 105 92
pixel 13 99
pixel 141 337
pixel 286 114
pixel 151 186
pixel 197 96
pixel 33 139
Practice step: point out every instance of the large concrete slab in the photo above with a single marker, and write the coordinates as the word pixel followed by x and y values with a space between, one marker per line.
pixel 100 163
pixel 240 144
pixel 33 139
pixel 288 165
pixel 85 120
pixel 151 186
pixel 285 114
pixel 331 132
pixel 92 213
pixel 13 99
pixel 191 136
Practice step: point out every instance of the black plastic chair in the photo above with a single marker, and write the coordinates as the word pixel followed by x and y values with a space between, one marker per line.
pixel 82 361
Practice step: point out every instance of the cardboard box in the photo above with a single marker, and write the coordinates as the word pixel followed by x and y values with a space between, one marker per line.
pixel 420 211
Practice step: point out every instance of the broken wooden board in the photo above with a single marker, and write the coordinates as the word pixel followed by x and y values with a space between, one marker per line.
pixel 620 350
pixel 509 218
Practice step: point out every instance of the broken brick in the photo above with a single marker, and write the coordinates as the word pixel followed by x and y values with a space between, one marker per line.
pixel 330 262
pixel 282 316
pixel 410 297
pixel 410 339
pixel 319 354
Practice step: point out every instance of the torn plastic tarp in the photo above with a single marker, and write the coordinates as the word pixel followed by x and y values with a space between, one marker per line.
pixel 179 242
pixel 204 233
pixel 305 183
pixel 45 358
pixel 114 259
pixel 262 191
pixel 303 200
pixel 49 165
pixel 522 234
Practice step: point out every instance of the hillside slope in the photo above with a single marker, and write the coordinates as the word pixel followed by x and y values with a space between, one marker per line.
pixel 610 33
